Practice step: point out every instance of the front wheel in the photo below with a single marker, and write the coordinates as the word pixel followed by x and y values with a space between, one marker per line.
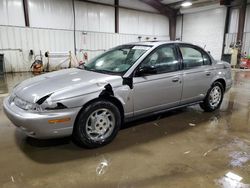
pixel 214 98
pixel 97 124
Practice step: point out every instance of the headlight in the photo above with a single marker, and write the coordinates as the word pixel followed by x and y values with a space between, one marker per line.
pixel 12 97
pixel 27 105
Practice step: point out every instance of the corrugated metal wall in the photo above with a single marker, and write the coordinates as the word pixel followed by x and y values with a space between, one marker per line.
pixel 231 36
pixel 52 29
pixel 11 12
pixel 142 23
pixel 18 41
pixel 204 28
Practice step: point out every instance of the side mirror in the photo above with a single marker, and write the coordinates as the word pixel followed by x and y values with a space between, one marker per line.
pixel 146 70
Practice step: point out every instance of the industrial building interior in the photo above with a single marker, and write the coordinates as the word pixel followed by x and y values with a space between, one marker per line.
pixel 184 147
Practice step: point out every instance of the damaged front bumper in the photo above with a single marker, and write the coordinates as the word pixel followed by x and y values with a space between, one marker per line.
pixel 43 125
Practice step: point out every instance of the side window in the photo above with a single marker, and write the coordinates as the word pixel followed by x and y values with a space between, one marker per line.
pixel 191 57
pixel 206 59
pixel 164 59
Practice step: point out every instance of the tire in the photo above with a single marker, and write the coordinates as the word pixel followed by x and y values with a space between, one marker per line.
pixel 209 105
pixel 97 124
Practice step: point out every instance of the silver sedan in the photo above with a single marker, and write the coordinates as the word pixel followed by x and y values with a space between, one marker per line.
pixel 127 82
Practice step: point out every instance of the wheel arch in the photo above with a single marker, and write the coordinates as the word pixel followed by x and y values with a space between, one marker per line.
pixel 109 98
pixel 222 81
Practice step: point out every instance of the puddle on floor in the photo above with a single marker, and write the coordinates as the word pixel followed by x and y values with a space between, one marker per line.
pixel 3 85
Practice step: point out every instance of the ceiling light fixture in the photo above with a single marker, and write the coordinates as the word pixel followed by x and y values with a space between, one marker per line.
pixel 186 4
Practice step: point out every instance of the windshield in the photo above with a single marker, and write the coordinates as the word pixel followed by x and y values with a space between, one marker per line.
pixel 117 60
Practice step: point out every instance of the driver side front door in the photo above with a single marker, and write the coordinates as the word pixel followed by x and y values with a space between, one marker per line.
pixel 162 89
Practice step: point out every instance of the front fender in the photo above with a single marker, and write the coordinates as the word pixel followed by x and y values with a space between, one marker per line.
pixel 122 94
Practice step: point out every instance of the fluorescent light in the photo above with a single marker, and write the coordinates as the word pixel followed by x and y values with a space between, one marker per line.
pixel 186 4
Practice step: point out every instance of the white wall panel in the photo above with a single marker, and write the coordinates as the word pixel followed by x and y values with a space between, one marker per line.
pixel 25 39
pixel 231 36
pixel 206 28
pixel 95 43
pixel 134 22
pixel 233 21
pixel 92 17
pixel 11 12
pixel 161 25
pixel 107 19
pixel 246 44
pixel 128 21
pixel 81 11
pixel 57 14
pixel 247 22
pixel 146 25
pixel 136 4
pixel 52 30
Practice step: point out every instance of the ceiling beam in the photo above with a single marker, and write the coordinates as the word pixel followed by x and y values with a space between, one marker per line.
pixel 167 11
pixel 113 5
pixel 162 8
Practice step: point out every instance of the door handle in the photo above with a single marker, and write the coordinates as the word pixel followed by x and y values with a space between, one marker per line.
pixel 208 73
pixel 176 79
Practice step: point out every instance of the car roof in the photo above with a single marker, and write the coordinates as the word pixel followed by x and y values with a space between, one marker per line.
pixel 156 43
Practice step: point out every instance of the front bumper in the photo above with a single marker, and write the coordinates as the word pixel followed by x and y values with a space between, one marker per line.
pixel 37 124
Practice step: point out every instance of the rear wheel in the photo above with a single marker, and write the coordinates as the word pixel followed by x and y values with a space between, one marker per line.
pixel 213 98
pixel 97 124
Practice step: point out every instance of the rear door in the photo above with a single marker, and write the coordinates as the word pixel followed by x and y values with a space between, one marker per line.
pixel 161 90
pixel 197 73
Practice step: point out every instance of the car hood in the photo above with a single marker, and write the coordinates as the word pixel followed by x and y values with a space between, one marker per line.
pixel 64 84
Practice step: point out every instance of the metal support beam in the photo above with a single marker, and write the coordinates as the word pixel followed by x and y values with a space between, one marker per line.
pixel 167 11
pixel 241 24
pixel 74 19
pixel 172 28
pixel 227 21
pixel 116 16
pixel 26 13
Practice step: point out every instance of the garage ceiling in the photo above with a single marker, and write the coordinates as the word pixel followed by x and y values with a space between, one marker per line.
pixel 176 4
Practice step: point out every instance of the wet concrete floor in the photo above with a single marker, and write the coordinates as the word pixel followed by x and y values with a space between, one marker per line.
pixel 185 148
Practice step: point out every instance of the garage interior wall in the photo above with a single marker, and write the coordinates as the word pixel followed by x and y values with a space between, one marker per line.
pixel 51 29
pixel 231 36
pixel 204 28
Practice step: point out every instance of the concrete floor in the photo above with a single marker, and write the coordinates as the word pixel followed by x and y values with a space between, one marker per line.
pixel 181 149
